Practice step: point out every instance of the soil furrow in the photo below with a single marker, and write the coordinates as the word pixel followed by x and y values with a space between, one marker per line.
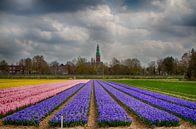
pixel 92 113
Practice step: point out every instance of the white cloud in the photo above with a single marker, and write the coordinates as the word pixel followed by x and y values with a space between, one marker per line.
pixel 74 34
pixel 11 30
pixel 46 34
pixel 65 32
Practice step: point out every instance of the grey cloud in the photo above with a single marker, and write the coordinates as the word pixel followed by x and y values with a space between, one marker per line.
pixel 143 5
pixel 11 50
pixel 66 33
pixel 37 7
pixel 190 20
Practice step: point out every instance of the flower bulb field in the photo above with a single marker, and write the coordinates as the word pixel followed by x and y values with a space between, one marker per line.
pixel 101 104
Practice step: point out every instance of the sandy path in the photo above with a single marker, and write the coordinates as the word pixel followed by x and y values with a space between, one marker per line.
pixel 92 113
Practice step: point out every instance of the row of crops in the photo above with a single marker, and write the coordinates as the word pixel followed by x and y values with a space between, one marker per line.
pixel 111 100
pixel 13 99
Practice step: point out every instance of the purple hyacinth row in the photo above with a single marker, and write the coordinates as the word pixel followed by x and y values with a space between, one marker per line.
pixel 34 114
pixel 185 113
pixel 109 111
pixel 76 111
pixel 178 101
pixel 145 112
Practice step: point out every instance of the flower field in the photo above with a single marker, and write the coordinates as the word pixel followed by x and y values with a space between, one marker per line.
pixel 145 112
pixel 15 98
pixel 182 111
pixel 177 101
pixel 115 105
pixel 110 113
pixel 11 83
pixel 34 114
pixel 76 111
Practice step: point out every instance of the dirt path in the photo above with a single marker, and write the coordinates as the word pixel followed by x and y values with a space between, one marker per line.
pixel 92 113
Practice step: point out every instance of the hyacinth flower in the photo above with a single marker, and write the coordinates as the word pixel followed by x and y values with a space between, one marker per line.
pixel 110 113
pixel 178 101
pixel 181 111
pixel 34 114
pixel 19 98
pixel 76 111
pixel 148 114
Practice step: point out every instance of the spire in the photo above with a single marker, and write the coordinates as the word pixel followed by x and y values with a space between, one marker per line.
pixel 98 54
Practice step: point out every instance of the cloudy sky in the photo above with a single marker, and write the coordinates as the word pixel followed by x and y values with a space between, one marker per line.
pixel 65 29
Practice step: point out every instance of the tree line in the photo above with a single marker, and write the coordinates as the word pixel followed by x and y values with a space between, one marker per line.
pixel 186 66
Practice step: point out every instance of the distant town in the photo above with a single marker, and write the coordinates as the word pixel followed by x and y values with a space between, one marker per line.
pixel 166 66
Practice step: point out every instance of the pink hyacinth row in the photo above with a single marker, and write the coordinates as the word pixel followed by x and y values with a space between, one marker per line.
pixel 22 97
pixel 18 95
pixel 10 91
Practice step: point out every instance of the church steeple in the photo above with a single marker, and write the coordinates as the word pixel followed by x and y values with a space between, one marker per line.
pixel 98 56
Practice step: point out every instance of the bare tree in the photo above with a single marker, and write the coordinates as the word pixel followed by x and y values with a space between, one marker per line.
pixel 54 67
pixel 40 65
pixel 4 67
pixel 191 71
pixel 134 66
pixel 27 64
pixel 151 69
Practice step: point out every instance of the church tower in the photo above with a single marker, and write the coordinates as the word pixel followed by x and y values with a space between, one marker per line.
pixel 98 56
